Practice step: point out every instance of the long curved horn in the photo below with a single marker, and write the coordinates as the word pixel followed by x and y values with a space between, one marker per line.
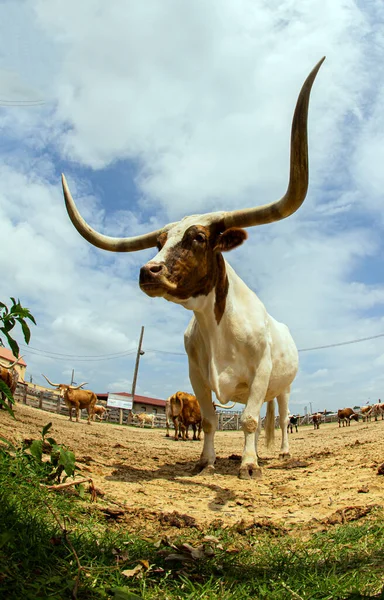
pixel 50 382
pixel 222 405
pixel 267 213
pixel 298 178
pixel 131 244
pixel 76 387
pixel 13 364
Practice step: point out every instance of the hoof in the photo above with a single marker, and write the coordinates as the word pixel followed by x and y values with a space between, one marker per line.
pixel 208 470
pixel 283 455
pixel 250 472
pixel 205 469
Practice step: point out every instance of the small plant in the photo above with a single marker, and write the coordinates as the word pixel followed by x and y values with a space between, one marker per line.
pixel 45 458
pixel 8 319
pixel 60 458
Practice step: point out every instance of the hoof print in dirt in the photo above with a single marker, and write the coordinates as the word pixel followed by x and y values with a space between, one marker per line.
pixel 175 519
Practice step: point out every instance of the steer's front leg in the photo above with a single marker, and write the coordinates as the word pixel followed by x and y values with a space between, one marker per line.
pixel 250 419
pixel 205 465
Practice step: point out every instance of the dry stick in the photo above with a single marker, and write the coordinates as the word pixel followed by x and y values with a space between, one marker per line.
pixel 61 486
pixel 65 532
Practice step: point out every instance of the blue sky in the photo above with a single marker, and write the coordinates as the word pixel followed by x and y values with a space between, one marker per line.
pixel 158 110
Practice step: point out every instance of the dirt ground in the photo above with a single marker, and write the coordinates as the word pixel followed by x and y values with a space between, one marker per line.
pixel 149 475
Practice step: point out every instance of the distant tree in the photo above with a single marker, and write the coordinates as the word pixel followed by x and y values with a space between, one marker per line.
pixel 9 317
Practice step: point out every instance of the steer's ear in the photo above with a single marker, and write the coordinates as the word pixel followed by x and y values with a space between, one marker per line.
pixel 230 239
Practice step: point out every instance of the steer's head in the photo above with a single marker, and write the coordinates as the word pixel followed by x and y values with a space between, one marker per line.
pixel 189 263
pixel 63 388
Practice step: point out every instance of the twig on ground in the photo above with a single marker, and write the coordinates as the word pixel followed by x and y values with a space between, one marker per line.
pixel 61 486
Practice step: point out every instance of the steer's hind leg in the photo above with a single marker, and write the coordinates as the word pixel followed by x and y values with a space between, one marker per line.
pixel 283 402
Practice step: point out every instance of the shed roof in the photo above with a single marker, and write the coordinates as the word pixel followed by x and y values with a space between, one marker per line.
pixel 7 354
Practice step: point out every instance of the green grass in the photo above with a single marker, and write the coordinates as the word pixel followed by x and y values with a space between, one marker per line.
pixel 37 561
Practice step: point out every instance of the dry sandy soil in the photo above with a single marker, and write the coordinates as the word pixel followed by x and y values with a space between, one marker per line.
pixel 331 470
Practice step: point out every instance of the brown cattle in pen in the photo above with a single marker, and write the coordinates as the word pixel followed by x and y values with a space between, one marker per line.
pixel 184 410
pixel 76 398
pixel 345 415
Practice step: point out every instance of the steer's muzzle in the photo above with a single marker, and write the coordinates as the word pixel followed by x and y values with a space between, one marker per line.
pixel 153 279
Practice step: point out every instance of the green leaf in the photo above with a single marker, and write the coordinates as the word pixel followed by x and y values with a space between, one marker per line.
pixel 26 331
pixel 67 460
pixel 81 490
pixel 51 441
pixel 6 391
pixel 36 449
pixel 45 429
pixel 12 344
pixel 124 593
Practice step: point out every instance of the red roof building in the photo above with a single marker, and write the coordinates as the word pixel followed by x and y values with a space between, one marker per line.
pixel 7 358
pixel 140 403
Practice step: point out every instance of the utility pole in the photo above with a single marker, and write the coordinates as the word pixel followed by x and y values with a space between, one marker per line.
pixel 140 352
pixel 73 376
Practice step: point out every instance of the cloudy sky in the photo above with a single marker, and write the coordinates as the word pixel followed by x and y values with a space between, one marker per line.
pixel 158 110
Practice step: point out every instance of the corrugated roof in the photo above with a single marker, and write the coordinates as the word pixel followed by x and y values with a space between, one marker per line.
pixel 7 354
pixel 139 399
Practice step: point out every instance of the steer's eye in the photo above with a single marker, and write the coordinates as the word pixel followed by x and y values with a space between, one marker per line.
pixel 200 237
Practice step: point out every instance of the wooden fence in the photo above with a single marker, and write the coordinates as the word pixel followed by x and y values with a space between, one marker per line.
pixel 50 401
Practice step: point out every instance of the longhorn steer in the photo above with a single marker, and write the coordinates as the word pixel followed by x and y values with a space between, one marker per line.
pixel 10 376
pixel 99 412
pixel 235 348
pixel 144 418
pixel 293 421
pixel 76 398
pixel 345 415
pixel 184 411
pixel 316 420
pixel 366 412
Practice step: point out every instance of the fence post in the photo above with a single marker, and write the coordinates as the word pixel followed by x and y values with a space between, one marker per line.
pixel 25 395
pixel 237 422
pixel 41 399
pixel 58 404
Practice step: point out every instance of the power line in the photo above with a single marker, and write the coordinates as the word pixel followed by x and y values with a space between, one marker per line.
pixel 372 337
pixel 4 102
pixel 81 359
pixel 116 355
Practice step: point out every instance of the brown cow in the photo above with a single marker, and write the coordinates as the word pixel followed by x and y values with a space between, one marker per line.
pixel 99 412
pixel 76 398
pixel 10 376
pixel 316 419
pixel 144 418
pixel 366 412
pixel 377 409
pixel 345 415
pixel 184 410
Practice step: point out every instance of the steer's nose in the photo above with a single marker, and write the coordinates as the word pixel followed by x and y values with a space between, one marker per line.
pixel 151 270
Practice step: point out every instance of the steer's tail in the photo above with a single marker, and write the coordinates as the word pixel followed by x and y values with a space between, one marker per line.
pixel 269 424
